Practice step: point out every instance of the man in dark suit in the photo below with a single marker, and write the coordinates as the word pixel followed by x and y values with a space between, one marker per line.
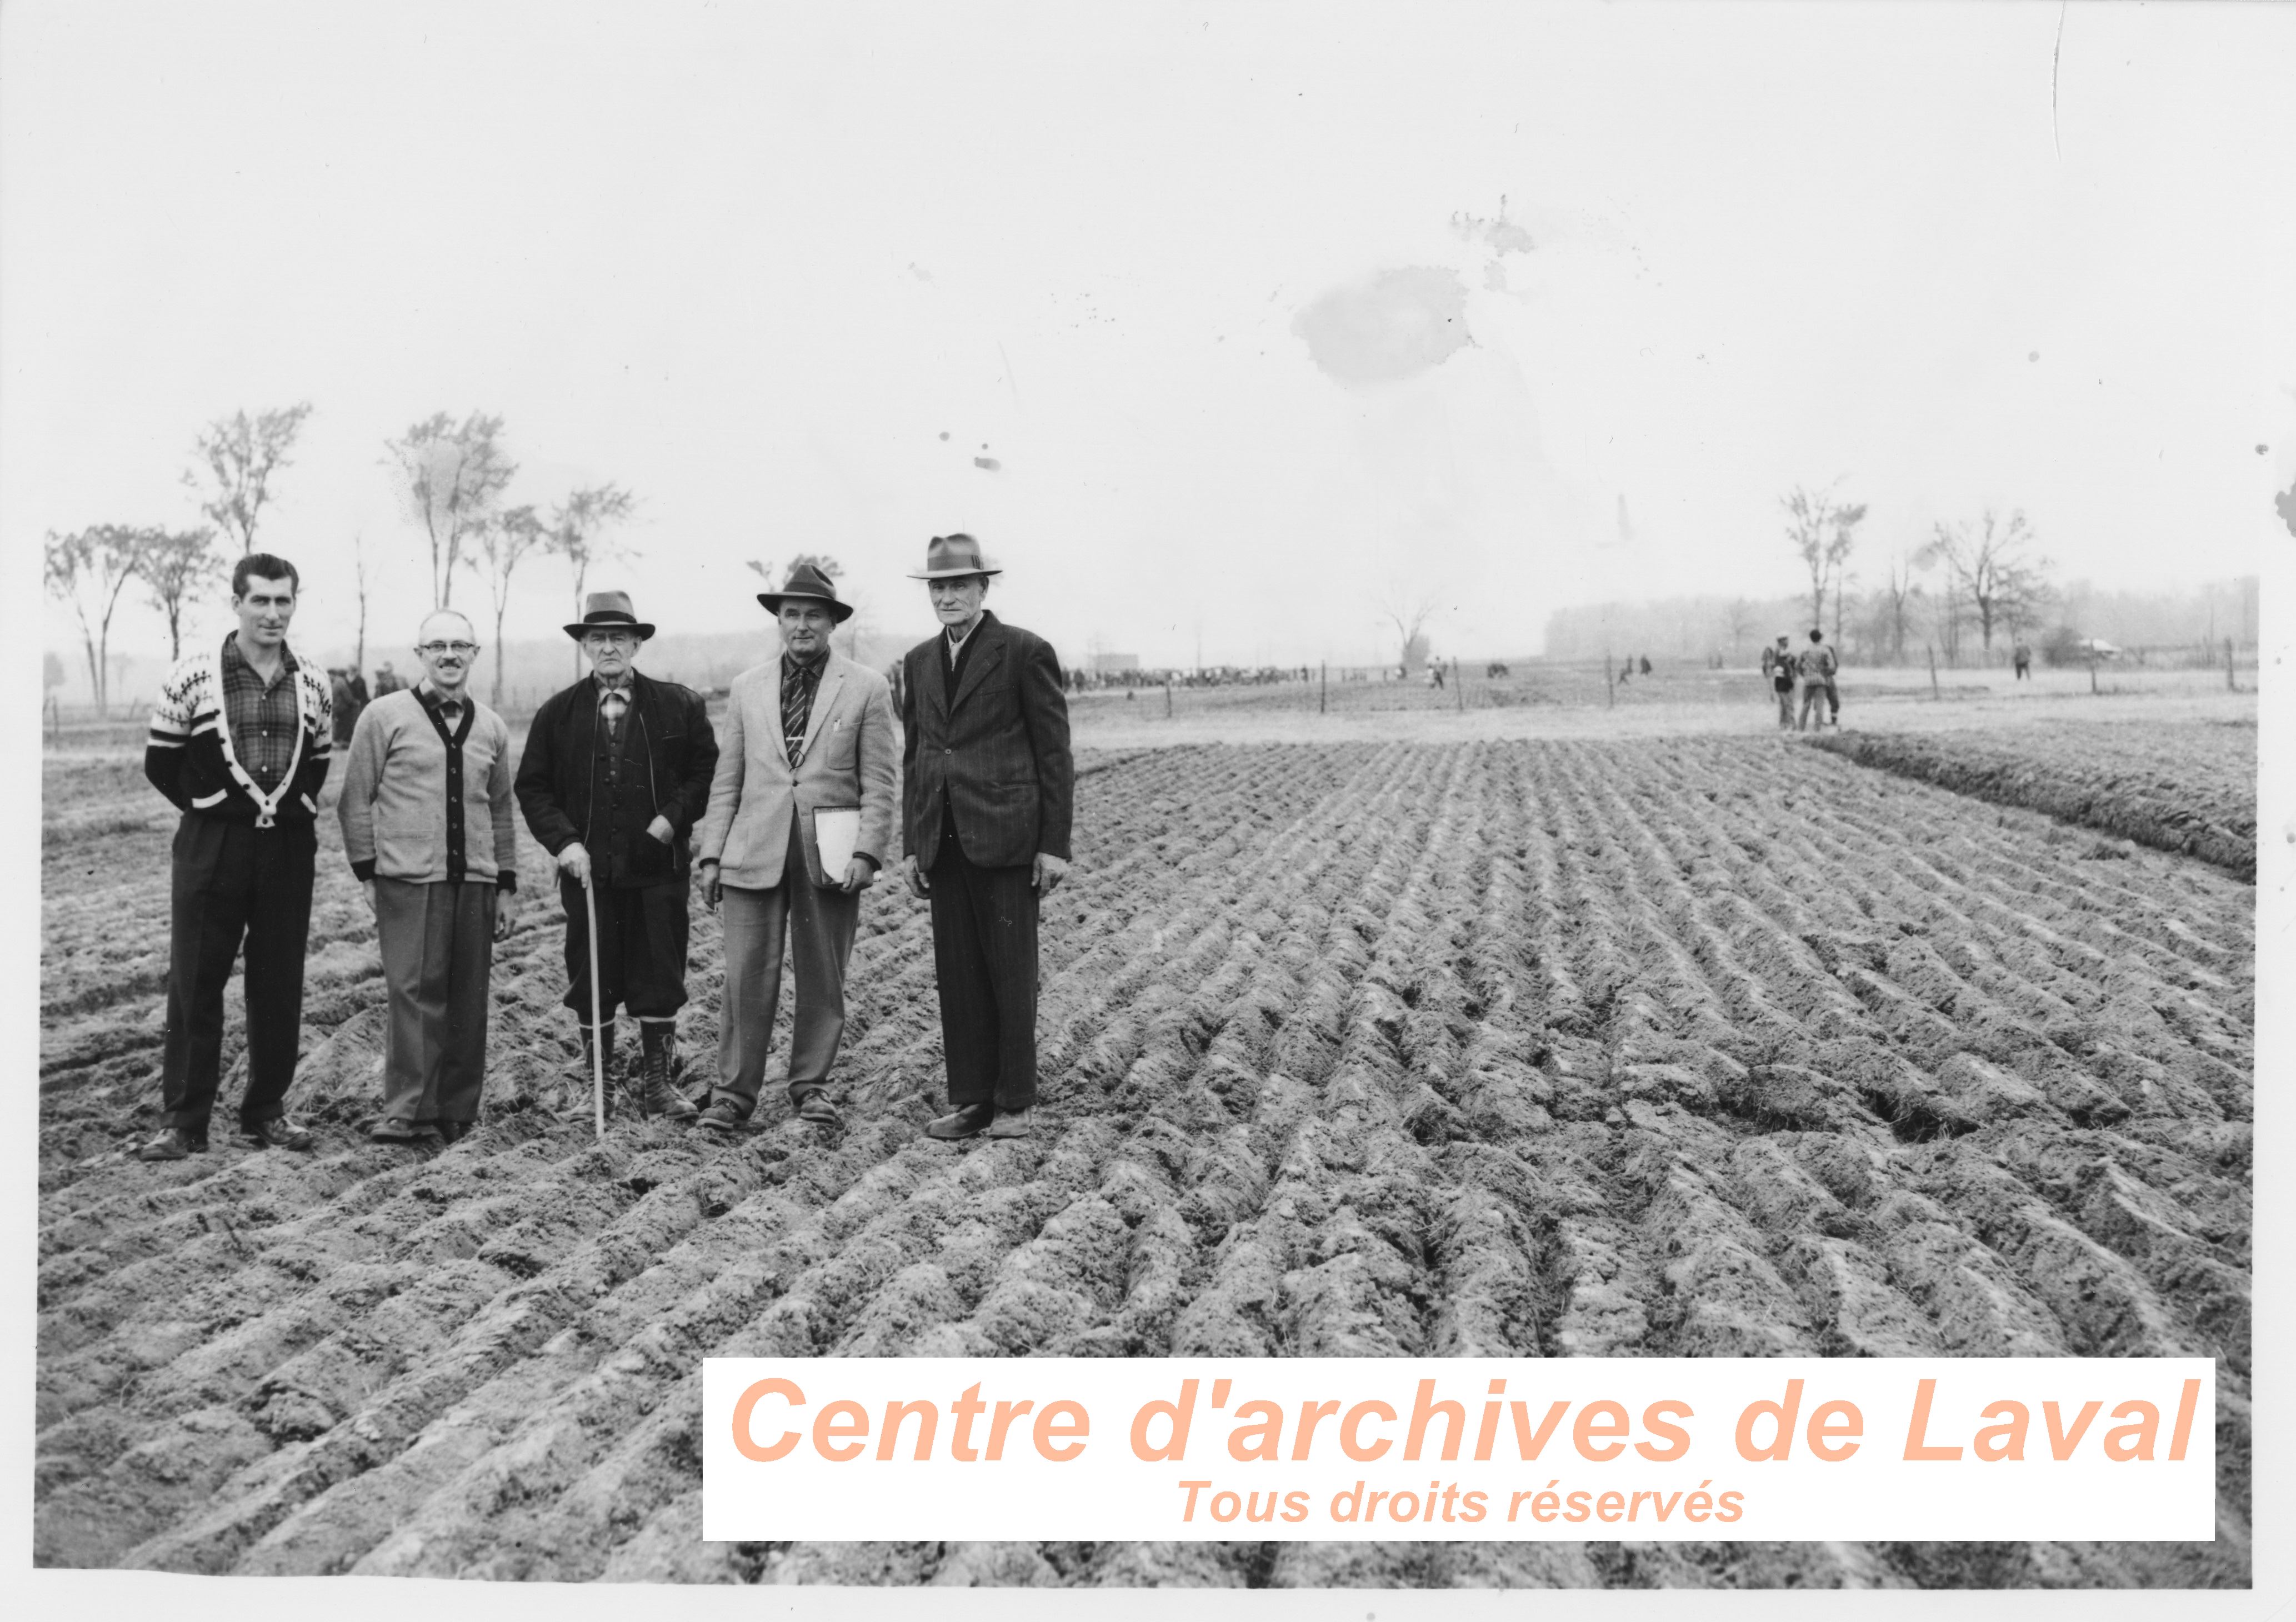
pixel 986 790
pixel 615 775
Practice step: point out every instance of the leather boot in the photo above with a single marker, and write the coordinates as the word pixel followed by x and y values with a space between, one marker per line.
pixel 579 1077
pixel 657 1095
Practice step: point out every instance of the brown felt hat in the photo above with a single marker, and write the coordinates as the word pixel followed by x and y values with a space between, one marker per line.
pixel 608 610
pixel 807 584
pixel 949 556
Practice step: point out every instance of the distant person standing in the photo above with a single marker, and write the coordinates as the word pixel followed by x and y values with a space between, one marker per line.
pixel 346 708
pixel 987 790
pixel 2022 657
pixel 387 680
pixel 240 741
pixel 428 825
pixel 1778 669
pixel 1818 668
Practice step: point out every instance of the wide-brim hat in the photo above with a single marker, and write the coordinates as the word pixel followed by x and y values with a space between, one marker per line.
pixel 949 556
pixel 807 584
pixel 608 610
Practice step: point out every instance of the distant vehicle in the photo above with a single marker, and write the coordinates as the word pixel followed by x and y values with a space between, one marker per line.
pixel 2095 647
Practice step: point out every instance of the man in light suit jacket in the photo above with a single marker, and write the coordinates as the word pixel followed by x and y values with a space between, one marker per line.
pixel 811 730
pixel 986 788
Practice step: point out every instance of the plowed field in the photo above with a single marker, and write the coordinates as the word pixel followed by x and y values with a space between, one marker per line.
pixel 2188 786
pixel 1704 1046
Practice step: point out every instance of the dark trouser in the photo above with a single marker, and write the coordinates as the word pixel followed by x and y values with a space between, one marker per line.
pixel 984 923
pixel 641 949
pixel 437 951
pixel 1785 702
pixel 820 924
pixel 231 879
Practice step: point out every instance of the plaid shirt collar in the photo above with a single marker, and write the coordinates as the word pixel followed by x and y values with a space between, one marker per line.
pixel 432 698
pixel 234 659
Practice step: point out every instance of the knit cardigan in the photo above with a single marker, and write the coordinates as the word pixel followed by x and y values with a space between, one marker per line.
pixel 190 759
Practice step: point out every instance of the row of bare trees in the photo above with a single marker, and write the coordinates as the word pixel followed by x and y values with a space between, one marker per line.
pixel 453 479
pixel 1987 571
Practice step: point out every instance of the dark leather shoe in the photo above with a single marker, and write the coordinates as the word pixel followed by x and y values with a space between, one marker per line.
pixel 397 1132
pixel 176 1143
pixel 817 1107
pixel 455 1132
pixel 723 1115
pixel 277 1133
pixel 1009 1124
pixel 969 1120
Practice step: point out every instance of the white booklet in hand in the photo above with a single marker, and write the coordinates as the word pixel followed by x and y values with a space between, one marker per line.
pixel 836 830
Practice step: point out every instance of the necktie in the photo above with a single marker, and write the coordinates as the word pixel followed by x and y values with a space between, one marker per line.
pixel 450 712
pixel 611 704
pixel 797 707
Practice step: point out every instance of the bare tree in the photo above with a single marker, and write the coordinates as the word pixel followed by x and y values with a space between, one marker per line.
pixel 241 454
pixel 504 544
pixel 174 566
pixel 1408 612
pixel 358 576
pixel 578 533
pixel 1823 531
pixel 1737 620
pixel 88 571
pixel 1991 565
pixel 1895 599
pixel 451 478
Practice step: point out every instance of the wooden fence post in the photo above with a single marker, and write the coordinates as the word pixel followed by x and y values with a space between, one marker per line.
pixel 1167 697
pixel 1610 686
pixel 1459 681
pixel 2230 685
pixel 1934 693
pixel 1323 687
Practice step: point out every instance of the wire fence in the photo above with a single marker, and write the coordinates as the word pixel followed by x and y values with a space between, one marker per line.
pixel 1459 686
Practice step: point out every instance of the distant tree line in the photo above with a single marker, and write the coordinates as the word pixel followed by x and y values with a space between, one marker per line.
pixel 451 478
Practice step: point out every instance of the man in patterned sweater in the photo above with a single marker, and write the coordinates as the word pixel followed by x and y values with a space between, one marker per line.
pixel 240 744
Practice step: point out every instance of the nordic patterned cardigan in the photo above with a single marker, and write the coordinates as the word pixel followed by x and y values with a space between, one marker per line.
pixel 190 759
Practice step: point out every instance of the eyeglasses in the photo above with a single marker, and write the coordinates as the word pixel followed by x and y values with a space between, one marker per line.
pixel 461 649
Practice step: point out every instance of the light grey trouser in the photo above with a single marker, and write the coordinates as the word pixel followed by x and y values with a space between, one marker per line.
pixel 819 925
pixel 437 951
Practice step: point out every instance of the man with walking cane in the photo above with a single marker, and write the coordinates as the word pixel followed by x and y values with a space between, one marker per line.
pixel 988 786
pixel 800 818
pixel 615 775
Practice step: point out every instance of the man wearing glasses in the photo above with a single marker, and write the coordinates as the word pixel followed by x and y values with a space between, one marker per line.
pixel 427 826
pixel 616 773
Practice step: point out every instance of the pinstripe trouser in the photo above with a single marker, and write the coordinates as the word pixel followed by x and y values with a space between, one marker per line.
pixel 984 923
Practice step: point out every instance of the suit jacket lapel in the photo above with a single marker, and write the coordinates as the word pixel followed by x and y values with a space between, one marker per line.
pixel 635 734
pixel 981 660
pixel 823 695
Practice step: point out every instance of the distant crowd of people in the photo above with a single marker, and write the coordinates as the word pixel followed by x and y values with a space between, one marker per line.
pixel 1812 668
pixel 347 685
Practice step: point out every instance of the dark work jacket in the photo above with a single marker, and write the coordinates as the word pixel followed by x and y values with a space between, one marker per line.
pixel 997 754
pixel 568 790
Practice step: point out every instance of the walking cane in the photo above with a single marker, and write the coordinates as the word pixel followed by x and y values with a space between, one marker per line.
pixel 597 1024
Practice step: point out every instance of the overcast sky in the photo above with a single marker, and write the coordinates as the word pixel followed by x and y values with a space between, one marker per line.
pixel 1257 312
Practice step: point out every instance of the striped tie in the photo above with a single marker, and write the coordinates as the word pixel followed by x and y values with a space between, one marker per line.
pixel 797 710
pixel 611 704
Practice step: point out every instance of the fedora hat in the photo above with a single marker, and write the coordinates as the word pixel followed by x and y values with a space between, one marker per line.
pixel 608 610
pixel 948 556
pixel 807 584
